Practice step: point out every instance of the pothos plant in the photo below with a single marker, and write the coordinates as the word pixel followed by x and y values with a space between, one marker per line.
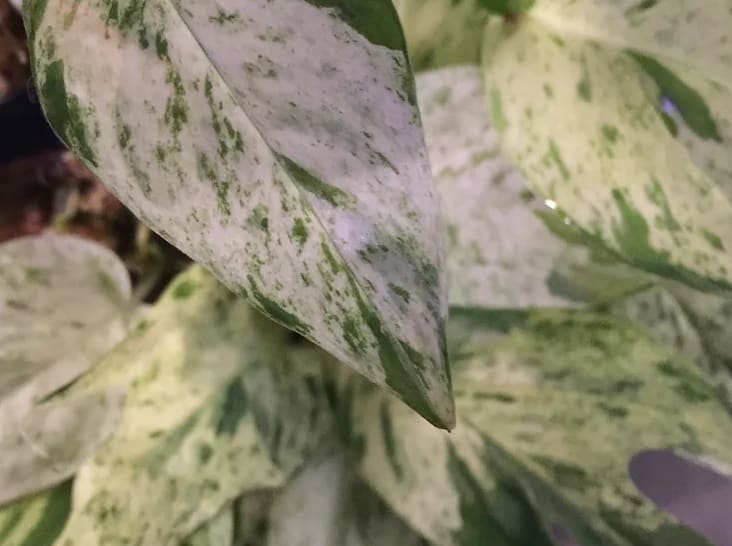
pixel 527 244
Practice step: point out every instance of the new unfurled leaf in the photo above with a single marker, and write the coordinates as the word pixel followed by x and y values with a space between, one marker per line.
pixel 587 124
pixel 549 416
pixel 441 32
pixel 279 144
pixel 500 253
pixel 63 303
pixel 193 435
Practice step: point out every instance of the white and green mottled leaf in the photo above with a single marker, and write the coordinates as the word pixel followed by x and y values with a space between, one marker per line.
pixel 46 444
pixel 442 32
pixel 667 29
pixel 189 442
pixel 500 253
pixel 219 531
pixel 63 303
pixel 279 144
pixel 549 416
pixel 665 320
pixel 326 505
pixel 36 520
pixel 614 167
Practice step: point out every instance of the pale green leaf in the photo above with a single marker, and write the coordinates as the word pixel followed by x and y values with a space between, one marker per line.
pixel 63 303
pixel 581 121
pixel 441 32
pixel 668 29
pixel 500 253
pixel 277 143
pixel 189 441
pixel 549 417
pixel 36 520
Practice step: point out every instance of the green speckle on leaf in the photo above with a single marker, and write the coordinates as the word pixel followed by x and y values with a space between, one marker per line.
pixel 584 90
pixel 554 155
pixel 401 292
pixel 233 409
pixel 275 310
pixel 714 240
pixel 161 45
pixel 497 114
pixel 335 196
pixel 123 135
pixel 65 113
pixel 690 104
pixel 300 231
pixel 658 197
pixel 610 133
pixel 183 289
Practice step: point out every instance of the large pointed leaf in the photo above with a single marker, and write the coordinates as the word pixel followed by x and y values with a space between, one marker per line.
pixel 279 144
pixel 549 417
pixel 500 253
pixel 614 167
pixel 442 32
pixel 189 442
pixel 63 303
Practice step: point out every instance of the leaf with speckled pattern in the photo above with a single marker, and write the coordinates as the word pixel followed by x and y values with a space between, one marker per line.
pixel 499 254
pixel 549 414
pixel 192 436
pixel 615 168
pixel 441 32
pixel 63 303
pixel 279 144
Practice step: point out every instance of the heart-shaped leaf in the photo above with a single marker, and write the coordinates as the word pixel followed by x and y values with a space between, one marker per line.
pixel 64 302
pixel 200 372
pixel 587 123
pixel 279 144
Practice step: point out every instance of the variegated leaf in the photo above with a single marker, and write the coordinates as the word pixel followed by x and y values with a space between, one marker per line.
pixel 549 417
pixel 189 442
pixel 326 505
pixel 36 520
pixel 279 144
pixel 63 303
pixel 582 122
pixel 442 32
pixel 500 253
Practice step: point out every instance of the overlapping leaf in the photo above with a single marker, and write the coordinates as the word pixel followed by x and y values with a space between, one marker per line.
pixel 632 145
pixel 63 303
pixel 189 441
pixel 550 415
pixel 500 253
pixel 279 144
